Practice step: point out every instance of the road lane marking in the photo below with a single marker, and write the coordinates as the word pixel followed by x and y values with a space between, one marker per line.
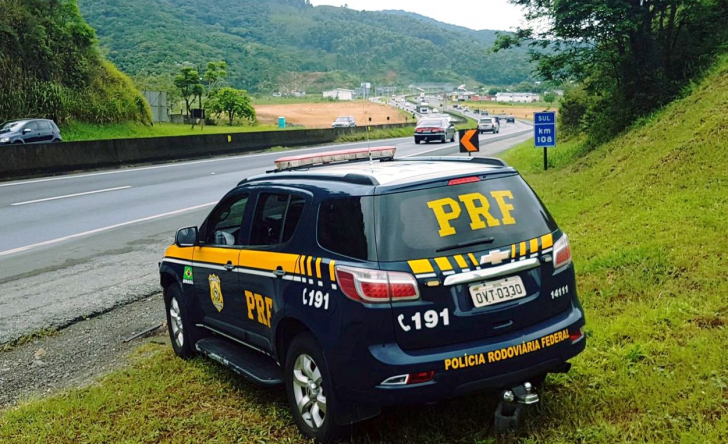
pixel 177 164
pixel 70 195
pixel 100 230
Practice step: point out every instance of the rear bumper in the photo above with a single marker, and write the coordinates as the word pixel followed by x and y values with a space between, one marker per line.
pixel 433 136
pixel 488 365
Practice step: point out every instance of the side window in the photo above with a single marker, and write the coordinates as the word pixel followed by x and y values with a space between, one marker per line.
pixel 223 225
pixel 342 227
pixel 45 125
pixel 276 217
pixel 33 126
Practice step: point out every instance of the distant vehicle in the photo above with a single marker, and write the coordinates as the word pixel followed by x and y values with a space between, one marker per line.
pixel 466 109
pixel 486 124
pixel 344 122
pixel 29 131
pixel 510 119
pixel 423 108
pixel 503 116
pixel 476 111
pixel 434 129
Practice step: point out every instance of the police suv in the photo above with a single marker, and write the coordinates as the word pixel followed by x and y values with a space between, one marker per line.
pixel 359 280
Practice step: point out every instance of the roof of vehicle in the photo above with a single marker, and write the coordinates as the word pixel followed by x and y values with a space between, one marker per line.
pixel 393 173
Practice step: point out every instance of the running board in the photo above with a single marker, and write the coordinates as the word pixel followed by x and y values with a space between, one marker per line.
pixel 244 361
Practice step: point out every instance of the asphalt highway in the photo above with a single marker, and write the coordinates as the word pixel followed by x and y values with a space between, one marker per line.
pixel 77 245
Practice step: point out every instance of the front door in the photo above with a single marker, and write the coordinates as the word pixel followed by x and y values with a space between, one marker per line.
pixel 214 264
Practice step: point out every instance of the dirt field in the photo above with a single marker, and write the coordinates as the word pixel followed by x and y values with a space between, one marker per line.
pixel 320 115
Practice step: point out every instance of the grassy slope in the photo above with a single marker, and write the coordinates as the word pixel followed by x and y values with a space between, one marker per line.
pixel 646 215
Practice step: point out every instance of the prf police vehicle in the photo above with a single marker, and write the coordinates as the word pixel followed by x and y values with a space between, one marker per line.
pixel 358 281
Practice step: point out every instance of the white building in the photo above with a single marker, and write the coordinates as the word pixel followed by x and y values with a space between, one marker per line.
pixel 517 97
pixel 339 94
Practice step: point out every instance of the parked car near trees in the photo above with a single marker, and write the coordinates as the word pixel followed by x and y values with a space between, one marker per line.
pixel 29 131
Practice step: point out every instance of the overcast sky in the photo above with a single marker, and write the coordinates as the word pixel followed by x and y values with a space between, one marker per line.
pixel 473 14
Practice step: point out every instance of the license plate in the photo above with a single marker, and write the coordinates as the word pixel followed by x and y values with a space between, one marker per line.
pixel 495 292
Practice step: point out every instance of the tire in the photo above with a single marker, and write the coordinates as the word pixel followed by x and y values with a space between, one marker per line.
pixel 181 330
pixel 417 141
pixel 306 375
pixel 444 139
pixel 452 139
pixel 55 140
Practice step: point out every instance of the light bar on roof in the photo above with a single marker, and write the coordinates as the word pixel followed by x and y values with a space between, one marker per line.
pixel 382 152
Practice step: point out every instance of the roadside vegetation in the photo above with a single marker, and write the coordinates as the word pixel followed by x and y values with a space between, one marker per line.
pixel 646 217
pixel 50 66
pixel 77 131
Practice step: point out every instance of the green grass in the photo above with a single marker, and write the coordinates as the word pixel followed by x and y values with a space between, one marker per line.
pixel 78 131
pixel 646 215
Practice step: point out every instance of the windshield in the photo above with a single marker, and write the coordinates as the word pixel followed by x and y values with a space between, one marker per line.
pixel 342 119
pixel 10 126
pixel 487 214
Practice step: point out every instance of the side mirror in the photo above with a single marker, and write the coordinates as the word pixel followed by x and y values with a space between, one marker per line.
pixel 186 237
pixel 26 130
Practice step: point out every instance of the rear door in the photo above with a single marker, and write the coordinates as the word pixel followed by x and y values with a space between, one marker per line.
pixel 447 233
pixel 266 259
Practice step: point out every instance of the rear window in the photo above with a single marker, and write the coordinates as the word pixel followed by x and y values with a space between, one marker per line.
pixel 430 123
pixel 431 223
pixel 345 227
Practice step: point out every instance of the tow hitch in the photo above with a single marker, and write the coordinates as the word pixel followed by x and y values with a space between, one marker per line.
pixel 510 409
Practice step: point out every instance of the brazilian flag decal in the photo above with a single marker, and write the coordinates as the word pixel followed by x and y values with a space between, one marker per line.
pixel 187 276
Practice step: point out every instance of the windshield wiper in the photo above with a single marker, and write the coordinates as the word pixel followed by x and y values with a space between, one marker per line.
pixel 487 240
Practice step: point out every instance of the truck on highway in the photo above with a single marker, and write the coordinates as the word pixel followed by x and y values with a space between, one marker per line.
pixel 423 108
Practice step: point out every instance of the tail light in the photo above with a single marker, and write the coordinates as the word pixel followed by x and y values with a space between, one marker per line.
pixel 562 252
pixel 576 336
pixel 376 286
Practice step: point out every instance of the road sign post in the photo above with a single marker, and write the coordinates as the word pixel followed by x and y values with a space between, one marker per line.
pixel 469 141
pixel 544 133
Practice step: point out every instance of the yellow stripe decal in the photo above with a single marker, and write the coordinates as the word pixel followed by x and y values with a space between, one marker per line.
pixel 266 260
pixel 522 249
pixel 175 252
pixel 547 241
pixel 443 263
pixel 534 246
pixel 219 256
pixel 309 270
pixel 420 266
pixel 318 268
pixel 461 261
pixel 513 251
pixel 332 271
pixel 472 258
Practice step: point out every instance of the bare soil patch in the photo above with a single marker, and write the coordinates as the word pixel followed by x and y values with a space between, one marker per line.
pixel 320 115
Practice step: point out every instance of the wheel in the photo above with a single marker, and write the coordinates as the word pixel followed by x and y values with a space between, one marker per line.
pixel 452 139
pixel 310 390
pixel 444 139
pixel 17 142
pixel 55 140
pixel 181 330
pixel 417 141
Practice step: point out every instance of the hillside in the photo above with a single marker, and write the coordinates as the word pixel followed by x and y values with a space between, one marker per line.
pixel 647 216
pixel 50 66
pixel 263 40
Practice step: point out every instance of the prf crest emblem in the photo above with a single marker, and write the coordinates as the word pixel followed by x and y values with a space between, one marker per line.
pixel 216 292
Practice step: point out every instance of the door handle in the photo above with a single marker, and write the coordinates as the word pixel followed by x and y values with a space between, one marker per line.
pixel 229 266
pixel 279 272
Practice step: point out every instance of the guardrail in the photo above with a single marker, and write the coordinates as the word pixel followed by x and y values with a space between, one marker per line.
pixel 28 160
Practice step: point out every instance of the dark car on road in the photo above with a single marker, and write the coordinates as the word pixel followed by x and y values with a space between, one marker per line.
pixel 439 129
pixel 357 280
pixel 510 119
pixel 29 131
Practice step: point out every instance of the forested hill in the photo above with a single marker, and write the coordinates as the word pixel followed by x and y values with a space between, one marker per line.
pixel 50 66
pixel 264 41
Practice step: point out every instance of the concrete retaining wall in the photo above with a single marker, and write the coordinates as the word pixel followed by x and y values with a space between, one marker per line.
pixel 25 160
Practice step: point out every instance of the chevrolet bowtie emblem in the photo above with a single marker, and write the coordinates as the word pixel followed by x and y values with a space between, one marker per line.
pixel 495 257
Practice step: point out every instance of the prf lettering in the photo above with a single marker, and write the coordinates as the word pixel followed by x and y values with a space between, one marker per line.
pixel 478 208
pixel 261 305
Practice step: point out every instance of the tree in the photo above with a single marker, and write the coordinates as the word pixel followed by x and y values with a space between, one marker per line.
pixel 188 83
pixel 215 74
pixel 549 97
pixel 234 103
pixel 631 55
